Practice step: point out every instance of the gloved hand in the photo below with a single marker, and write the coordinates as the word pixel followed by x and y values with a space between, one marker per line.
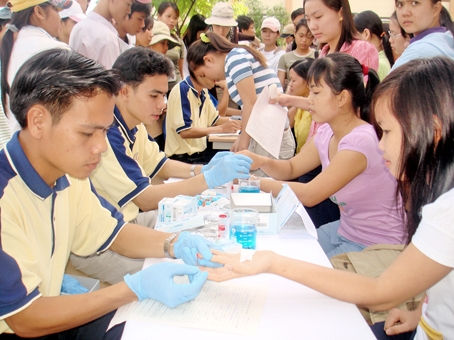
pixel 215 160
pixel 70 285
pixel 228 168
pixel 188 246
pixel 156 282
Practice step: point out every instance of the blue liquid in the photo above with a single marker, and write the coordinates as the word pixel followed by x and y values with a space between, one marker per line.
pixel 244 234
pixel 248 189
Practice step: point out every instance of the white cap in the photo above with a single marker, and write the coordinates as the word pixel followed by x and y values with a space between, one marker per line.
pixel 272 23
pixel 74 12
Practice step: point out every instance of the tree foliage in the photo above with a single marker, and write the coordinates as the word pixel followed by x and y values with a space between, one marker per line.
pixel 252 8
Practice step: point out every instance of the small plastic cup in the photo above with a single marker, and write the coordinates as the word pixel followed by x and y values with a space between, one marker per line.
pixel 249 185
pixel 243 227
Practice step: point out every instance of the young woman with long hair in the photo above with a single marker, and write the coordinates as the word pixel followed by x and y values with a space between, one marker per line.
pixel 245 69
pixel 32 30
pixel 370 28
pixel 346 147
pixel 418 146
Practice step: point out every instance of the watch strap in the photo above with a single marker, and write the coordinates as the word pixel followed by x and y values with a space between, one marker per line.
pixel 167 246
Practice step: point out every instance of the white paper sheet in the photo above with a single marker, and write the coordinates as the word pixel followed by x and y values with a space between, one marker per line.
pixel 227 134
pixel 266 123
pixel 286 204
pixel 226 307
pixel 308 224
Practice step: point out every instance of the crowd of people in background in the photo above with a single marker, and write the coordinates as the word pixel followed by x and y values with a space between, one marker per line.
pixel 367 147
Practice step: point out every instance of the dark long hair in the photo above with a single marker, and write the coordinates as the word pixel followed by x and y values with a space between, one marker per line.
pixel 445 20
pixel 341 71
pixel 373 23
pixel 166 4
pixel 196 24
pixel 349 33
pixel 217 44
pixel 301 67
pixel 18 19
pixel 426 165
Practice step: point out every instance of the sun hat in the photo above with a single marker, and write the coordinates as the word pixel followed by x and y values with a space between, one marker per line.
pixel 74 12
pixel 19 5
pixel 272 23
pixel 221 15
pixel 288 31
pixel 162 32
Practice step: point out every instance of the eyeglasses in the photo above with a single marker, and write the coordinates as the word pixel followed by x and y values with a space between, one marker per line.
pixel 392 35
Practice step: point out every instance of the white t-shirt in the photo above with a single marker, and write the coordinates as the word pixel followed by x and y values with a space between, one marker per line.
pixel 435 239
pixel 96 38
pixel 30 41
pixel 273 57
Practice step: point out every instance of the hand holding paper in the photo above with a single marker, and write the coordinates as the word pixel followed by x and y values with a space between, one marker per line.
pixel 266 123
pixel 273 91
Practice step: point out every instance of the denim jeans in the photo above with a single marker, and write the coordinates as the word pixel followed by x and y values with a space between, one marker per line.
pixel 332 243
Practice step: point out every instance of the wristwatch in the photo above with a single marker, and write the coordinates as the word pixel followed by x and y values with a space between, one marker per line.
pixel 167 246
pixel 192 170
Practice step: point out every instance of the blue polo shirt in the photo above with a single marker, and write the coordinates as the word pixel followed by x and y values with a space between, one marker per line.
pixel 41 226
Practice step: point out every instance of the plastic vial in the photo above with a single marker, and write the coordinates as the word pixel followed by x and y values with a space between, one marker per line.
pixel 222 225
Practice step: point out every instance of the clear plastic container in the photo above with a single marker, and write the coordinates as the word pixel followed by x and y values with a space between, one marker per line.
pixel 249 185
pixel 243 227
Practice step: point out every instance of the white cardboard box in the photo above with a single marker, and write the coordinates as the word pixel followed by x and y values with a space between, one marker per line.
pixel 281 209
pixel 262 202
pixel 188 223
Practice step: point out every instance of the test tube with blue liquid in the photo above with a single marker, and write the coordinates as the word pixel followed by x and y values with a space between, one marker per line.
pixel 243 227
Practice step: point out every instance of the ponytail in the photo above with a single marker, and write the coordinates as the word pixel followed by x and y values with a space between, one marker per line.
pixel 387 48
pixel 214 43
pixel 18 19
pixel 372 83
pixel 341 71
pixel 445 20
pixel 373 23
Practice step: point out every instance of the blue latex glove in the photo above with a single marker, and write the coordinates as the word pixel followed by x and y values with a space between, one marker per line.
pixel 228 168
pixel 188 246
pixel 156 282
pixel 70 285
pixel 215 160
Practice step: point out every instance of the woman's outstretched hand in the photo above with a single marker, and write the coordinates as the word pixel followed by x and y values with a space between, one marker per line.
pixel 233 268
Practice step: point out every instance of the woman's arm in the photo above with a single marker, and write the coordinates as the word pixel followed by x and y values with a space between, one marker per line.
pixel 223 102
pixel 180 67
pixel 246 90
pixel 281 76
pixel 291 116
pixel 285 170
pixel 344 167
pixel 387 291
pixel 288 100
